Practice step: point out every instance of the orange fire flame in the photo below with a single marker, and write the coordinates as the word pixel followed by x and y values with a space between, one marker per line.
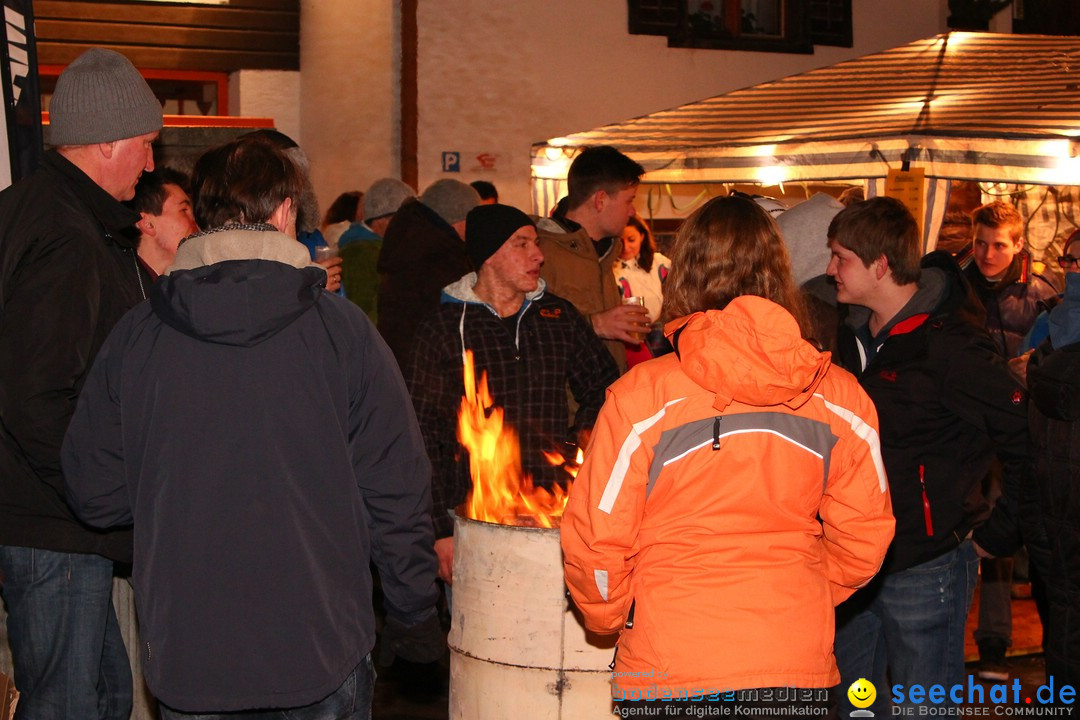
pixel 501 493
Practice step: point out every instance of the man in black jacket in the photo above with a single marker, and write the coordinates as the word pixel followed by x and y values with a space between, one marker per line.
pixel 947 404
pixel 422 251
pixel 67 275
pixel 257 432
pixel 531 343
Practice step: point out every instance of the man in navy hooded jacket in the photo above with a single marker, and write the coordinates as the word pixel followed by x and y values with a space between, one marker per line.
pixel 256 432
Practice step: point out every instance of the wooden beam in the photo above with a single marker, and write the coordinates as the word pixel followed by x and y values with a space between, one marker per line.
pixel 410 167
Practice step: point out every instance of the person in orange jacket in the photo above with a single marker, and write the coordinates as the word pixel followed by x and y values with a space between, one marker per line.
pixel 733 492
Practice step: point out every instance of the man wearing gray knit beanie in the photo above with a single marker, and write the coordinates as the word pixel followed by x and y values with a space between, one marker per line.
pixel 67 275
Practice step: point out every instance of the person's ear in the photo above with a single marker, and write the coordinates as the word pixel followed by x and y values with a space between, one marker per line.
pixel 599 200
pixel 146 224
pixel 881 267
pixel 106 149
pixel 284 217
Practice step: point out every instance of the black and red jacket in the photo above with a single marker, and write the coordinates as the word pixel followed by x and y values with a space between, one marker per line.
pixel 947 406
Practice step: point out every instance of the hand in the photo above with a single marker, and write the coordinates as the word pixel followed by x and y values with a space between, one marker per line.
pixel 333 272
pixel 584 435
pixel 1018 367
pixel 980 551
pixel 444 550
pixel 424 642
pixel 627 323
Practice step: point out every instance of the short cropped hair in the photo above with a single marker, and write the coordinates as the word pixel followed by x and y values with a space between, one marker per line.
pixel 998 214
pixel 485 190
pixel 881 226
pixel 600 168
pixel 150 192
pixel 242 182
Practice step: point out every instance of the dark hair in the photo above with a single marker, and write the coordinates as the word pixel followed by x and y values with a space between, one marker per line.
pixel 485 190
pixel 730 247
pixel 600 168
pixel 343 208
pixel 648 244
pixel 881 226
pixel 150 192
pixel 307 204
pixel 242 182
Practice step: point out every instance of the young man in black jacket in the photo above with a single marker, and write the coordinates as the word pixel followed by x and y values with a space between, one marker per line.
pixel 67 275
pixel 947 405
pixel 531 343
pixel 256 431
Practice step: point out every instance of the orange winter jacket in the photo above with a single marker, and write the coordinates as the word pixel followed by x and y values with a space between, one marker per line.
pixel 731 496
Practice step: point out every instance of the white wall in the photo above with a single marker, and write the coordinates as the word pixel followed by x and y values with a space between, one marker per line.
pixel 349 107
pixel 267 93
pixel 496 77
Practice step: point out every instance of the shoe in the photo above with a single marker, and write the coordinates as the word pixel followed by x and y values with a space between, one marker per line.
pixel 992 664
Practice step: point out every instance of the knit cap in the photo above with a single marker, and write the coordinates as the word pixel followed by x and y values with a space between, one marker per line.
pixel 487 227
pixel 101 97
pixel 384 197
pixel 450 199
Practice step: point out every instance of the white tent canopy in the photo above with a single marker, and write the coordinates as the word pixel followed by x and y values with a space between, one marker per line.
pixel 970 106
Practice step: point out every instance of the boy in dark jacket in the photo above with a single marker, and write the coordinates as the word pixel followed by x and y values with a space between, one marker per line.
pixel 946 403
pixel 532 345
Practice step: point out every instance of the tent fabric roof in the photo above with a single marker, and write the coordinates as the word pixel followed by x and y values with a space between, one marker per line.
pixel 958 103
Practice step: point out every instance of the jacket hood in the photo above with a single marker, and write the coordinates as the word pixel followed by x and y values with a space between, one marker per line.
pixel 237 286
pixel 751 352
pixel 942 289
pixel 462 291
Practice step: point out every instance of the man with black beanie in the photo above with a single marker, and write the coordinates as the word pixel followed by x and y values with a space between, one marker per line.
pixel 530 343
pixel 67 274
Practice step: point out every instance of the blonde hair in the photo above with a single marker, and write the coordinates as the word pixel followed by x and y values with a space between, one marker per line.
pixel 727 248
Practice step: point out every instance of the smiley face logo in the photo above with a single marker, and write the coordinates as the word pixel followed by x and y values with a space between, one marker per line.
pixel 862 693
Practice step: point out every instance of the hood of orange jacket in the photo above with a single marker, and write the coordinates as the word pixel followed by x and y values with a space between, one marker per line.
pixel 752 353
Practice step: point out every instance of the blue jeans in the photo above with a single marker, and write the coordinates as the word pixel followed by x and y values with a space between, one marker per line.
pixel 70 661
pixel 351 701
pixel 910 623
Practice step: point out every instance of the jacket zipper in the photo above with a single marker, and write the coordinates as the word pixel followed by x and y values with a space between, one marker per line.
pixel 927 518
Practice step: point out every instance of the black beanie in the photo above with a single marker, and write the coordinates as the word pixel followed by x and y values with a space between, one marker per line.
pixel 487 227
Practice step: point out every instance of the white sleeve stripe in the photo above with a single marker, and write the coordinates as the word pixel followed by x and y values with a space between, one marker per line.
pixel 622 460
pixel 601 578
pixel 868 435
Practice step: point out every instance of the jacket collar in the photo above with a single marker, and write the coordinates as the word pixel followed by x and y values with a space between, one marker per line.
pixel 239 242
pixel 106 209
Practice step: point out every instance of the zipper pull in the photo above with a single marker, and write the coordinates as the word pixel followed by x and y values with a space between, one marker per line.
pixel 926 503
pixel 716 433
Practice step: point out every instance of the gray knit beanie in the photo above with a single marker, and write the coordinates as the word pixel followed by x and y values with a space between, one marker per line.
pixel 384 197
pixel 450 199
pixel 101 97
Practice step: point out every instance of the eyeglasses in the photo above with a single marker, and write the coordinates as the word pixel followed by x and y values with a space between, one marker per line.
pixel 1067 260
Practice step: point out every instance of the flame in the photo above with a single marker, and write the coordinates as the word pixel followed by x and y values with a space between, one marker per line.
pixel 501 493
